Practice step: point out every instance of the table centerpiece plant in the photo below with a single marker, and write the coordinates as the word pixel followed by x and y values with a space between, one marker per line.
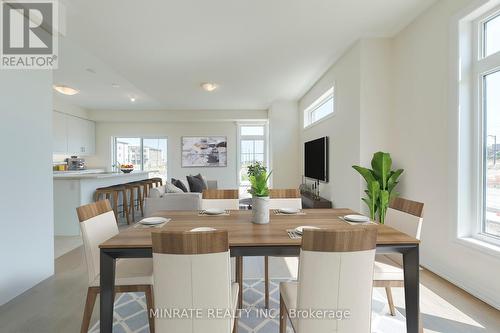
pixel 259 189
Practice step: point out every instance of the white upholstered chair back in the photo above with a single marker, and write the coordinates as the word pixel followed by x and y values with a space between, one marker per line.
pixel 406 216
pixel 98 224
pixel 192 271
pixel 223 199
pixel 285 198
pixel 335 273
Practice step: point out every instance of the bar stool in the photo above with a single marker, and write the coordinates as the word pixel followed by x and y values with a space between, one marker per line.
pixel 114 193
pixel 152 182
pixel 157 181
pixel 135 200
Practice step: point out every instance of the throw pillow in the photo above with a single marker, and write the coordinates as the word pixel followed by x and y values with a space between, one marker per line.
pixel 195 184
pixel 200 177
pixel 171 188
pixel 179 184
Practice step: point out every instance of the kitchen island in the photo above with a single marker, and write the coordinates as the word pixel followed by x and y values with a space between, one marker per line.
pixel 74 189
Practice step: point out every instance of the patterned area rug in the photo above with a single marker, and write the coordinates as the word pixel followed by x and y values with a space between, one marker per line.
pixel 130 312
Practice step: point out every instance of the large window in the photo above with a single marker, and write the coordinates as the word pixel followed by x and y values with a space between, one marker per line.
pixel 486 67
pixel 320 108
pixel 148 154
pixel 253 148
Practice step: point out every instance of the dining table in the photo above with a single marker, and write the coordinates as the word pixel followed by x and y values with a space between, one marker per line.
pixel 249 239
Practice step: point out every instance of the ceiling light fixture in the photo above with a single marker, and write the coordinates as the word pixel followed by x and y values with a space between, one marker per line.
pixel 65 90
pixel 209 86
pixel 132 99
pixel 115 85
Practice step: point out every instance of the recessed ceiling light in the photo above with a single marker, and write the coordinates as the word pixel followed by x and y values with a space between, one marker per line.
pixel 132 99
pixel 65 89
pixel 209 86
pixel 115 85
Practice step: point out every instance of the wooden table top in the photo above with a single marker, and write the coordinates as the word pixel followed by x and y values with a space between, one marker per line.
pixel 242 232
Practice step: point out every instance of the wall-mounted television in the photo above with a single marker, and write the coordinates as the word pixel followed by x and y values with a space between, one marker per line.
pixel 316 159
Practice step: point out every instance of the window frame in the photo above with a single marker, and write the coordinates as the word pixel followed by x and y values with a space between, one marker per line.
pixel 141 139
pixel 316 104
pixel 481 67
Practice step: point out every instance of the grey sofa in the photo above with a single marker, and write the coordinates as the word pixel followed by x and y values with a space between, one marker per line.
pixel 159 200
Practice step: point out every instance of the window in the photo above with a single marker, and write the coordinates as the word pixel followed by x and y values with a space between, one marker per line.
pixel 148 154
pixel 485 89
pixel 491 32
pixel 319 109
pixel 491 156
pixel 252 148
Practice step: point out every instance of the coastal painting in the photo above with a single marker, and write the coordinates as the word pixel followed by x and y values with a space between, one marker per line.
pixel 204 151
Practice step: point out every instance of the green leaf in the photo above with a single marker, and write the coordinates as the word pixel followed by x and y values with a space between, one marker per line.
pixel 393 179
pixel 366 173
pixel 381 165
pixel 383 204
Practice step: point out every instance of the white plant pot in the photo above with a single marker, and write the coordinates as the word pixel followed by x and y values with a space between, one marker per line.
pixel 260 210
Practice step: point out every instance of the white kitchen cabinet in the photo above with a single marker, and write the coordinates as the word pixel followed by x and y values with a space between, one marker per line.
pixel 80 135
pixel 60 133
pixel 89 138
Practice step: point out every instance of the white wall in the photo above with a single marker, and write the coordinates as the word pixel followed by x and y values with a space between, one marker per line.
pixel 421 145
pixel 361 119
pixel 375 98
pixel 26 223
pixel 284 143
pixel 343 129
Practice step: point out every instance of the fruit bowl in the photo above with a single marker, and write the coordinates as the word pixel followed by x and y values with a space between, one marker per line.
pixel 126 168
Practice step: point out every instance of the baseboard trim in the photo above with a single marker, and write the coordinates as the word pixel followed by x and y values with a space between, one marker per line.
pixel 482 295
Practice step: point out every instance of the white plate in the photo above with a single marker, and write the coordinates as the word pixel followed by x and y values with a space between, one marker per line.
pixel 214 211
pixel 300 230
pixel 357 218
pixel 200 229
pixel 289 210
pixel 153 220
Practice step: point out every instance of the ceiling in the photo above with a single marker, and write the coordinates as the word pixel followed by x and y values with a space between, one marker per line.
pixel 258 51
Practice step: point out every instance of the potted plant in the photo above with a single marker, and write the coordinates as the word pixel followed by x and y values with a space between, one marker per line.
pixel 258 177
pixel 381 181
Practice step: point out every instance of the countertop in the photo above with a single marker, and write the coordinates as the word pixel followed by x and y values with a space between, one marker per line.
pixel 68 175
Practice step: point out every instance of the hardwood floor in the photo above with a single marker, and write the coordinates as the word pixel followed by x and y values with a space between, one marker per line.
pixel 56 304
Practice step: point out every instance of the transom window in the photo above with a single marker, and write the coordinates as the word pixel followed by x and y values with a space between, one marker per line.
pixel 491 32
pixel 146 154
pixel 319 109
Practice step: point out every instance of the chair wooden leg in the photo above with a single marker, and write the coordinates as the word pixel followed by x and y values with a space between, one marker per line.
pixel 141 201
pixel 390 301
pixel 115 204
pixel 239 280
pixel 283 315
pixel 150 306
pixel 125 207
pixel 266 281
pixel 89 307
pixel 132 204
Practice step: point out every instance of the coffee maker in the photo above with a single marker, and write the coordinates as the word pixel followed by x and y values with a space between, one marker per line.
pixel 75 163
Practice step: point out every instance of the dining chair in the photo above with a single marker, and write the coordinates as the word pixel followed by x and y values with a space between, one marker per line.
pixel 335 274
pixel 223 199
pixel 192 271
pixel 279 198
pixel 98 224
pixel 406 216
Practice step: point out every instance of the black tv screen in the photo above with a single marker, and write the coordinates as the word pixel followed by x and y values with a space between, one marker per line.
pixel 316 159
